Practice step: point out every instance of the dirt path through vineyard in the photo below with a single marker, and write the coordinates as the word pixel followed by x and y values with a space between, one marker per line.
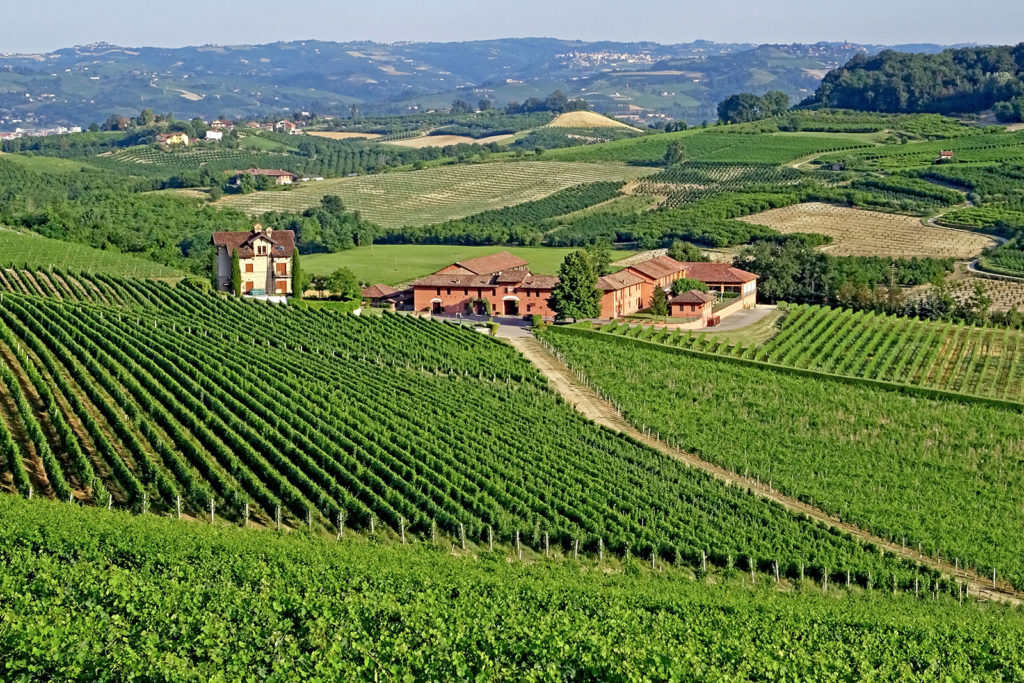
pixel 590 404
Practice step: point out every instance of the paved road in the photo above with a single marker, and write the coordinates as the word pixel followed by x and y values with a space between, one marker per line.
pixel 743 318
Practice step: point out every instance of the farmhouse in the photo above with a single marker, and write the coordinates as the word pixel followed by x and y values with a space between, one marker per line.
pixel 660 271
pixel 692 304
pixel 214 135
pixel 945 155
pixel 280 177
pixel 287 126
pixel 725 279
pixel 385 295
pixel 265 257
pixel 623 294
pixel 222 124
pixel 169 139
pixel 499 284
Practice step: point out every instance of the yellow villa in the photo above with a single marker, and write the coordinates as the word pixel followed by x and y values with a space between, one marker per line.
pixel 265 257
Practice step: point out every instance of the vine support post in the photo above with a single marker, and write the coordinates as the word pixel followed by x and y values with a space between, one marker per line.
pixel 245 524
pixel 211 511
pixel 576 549
pixel 916 587
pixel 401 525
pixel 776 567
pixel 110 499
pixel 847 579
pixel 547 545
pixel 177 506
pixel 462 535
pixel 993 577
pixel 341 526
pixel 433 531
pixel 490 538
pixel 309 520
pixel 277 516
pixel 750 566
pixel 703 561
pixel 71 497
pixel 801 571
pixel 373 525
pixel 519 548
pixel 824 585
pixel 600 550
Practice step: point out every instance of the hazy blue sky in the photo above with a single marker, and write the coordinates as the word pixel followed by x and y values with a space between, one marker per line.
pixel 48 24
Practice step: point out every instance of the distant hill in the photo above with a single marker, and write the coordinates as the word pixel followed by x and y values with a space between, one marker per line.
pixel 967 80
pixel 88 83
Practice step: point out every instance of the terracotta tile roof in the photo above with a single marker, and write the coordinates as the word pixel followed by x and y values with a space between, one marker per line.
pixel 693 296
pixel 657 267
pixel 379 291
pixel 282 241
pixel 492 263
pixel 539 282
pixel 458 279
pixel 619 280
pixel 272 172
pixel 718 273
pixel 455 280
pixel 511 277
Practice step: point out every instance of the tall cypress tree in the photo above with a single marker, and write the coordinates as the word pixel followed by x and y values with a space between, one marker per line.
pixel 236 273
pixel 576 295
pixel 299 277
pixel 659 302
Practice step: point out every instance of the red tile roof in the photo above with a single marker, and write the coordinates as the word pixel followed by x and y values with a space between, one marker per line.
pixel 693 296
pixel 272 172
pixel 619 280
pixel 717 273
pixel 379 291
pixel 492 263
pixel 657 267
pixel 282 241
pixel 469 280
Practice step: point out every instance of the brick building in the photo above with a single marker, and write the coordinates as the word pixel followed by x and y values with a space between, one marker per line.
pixel 660 271
pixel 623 294
pixel 499 284
pixel 692 304
pixel 722 277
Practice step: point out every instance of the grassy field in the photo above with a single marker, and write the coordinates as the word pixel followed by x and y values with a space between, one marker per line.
pixel 396 263
pixel 18 249
pixel 869 233
pixel 437 194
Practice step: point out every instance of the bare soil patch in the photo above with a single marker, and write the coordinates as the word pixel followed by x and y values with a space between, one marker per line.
pixel 342 135
pixel 585 119
pixel 445 140
pixel 857 232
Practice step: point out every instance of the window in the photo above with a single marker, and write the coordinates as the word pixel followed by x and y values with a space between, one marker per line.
pixel 438 291
pixel 248 267
pixel 448 291
pixel 249 286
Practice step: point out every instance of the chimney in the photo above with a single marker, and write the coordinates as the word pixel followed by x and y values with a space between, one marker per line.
pixel 269 231
pixel 257 228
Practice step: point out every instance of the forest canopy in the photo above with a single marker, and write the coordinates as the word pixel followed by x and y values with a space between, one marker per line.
pixel 953 81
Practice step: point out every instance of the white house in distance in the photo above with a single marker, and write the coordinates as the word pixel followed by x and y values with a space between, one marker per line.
pixel 214 135
pixel 264 256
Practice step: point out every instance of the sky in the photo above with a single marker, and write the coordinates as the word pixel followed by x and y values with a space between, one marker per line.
pixel 43 25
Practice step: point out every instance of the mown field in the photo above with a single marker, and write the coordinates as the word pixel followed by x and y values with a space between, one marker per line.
pixel 397 263
pixel 856 232
pixel 150 403
pixel 945 474
pixel 21 249
pixel 437 194
pixel 89 594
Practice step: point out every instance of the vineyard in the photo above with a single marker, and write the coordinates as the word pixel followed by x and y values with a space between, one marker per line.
pixel 715 146
pixel 35 251
pixel 950 357
pixel 690 182
pixel 171 416
pixel 438 194
pixel 856 232
pixel 89 594
pixel 987 147
pixel 940 475
pixel 215 158
pixel 1005 294
pixel 997 218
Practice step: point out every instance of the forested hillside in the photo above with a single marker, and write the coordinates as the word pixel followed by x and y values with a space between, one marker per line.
pixel 953 81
